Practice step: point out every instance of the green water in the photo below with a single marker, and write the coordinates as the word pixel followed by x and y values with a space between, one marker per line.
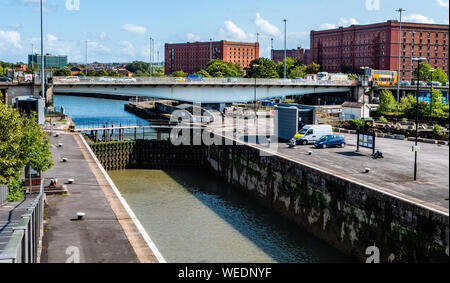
pixel 193 217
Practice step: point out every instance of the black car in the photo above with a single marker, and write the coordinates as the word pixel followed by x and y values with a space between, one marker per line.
pixel 5 79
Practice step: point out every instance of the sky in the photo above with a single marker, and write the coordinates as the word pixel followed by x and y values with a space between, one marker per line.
pixel 119 30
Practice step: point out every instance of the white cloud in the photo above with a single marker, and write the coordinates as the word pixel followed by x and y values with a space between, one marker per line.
pixel 232 32
pixel 134 28
pixel 51 37
pixel 128 48
pixel 442 3
pixel 103 35
pixel 9 40
pixel 418 18
pixel 343 22
pixel 192 37
pixel 327 26
pixel 265 26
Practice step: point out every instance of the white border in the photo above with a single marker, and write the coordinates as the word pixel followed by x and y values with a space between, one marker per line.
pixel 130 212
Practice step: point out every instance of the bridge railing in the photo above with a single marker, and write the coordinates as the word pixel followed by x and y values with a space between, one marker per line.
pixel 202 81
pixel 23 246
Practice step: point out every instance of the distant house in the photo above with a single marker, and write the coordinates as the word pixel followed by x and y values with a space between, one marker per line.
pixel 124 72
pixel 75 70
pixel 20 67
pixel 355 110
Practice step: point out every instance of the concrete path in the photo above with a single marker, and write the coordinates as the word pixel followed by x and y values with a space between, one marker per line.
pixel 107 234
pixel 393 174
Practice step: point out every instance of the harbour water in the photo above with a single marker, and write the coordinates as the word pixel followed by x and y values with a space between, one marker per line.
pixel 192 216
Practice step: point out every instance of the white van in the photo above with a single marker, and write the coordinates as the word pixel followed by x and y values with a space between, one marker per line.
pixel 312 133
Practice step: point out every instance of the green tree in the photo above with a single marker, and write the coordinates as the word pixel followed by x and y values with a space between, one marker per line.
pixel 203 73
pixel 80 74
pixel 101 73
pixel 290 64
pixel 138 66
pixel 1 70
pixel 179 74
pixel 91 73
pixel 407 102
pixel 313 68
pixel 22 143
pixel 114 74
pixel 64 72
pixel 139 73
pixel 437 105
pixel 266 69
pixel 217 68
pixel 440 76
pixel 387 102
pixel 297 72
pixel 352 77
pixel 425 74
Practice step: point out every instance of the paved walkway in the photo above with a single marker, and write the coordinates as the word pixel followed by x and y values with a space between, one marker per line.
pixel 107 234
pixel 393 174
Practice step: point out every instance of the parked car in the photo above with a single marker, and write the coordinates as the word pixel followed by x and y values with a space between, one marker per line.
pixel 445 84
pixel 195 78
pixel 434 84
pixel 5 79
pixel 331 141
pixel 404 83
pixel 267 103
pixel 312 133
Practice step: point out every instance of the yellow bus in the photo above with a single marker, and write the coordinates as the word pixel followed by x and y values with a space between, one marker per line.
pixel 381 77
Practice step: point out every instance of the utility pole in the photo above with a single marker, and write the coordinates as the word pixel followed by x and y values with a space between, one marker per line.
pixel 271 49
pixel 151 52
pixel 42 54
pixel 416 148
pixel 400 10
pixel 210 49
pixel 285 48
pixel 412 53
pixel 86 57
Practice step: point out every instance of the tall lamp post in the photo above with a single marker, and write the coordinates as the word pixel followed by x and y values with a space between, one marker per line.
pixel 255 66
pixel 284 74
pixel 431 94
pixel 364 97
pixel 399 52
pixel 42 54
pixel 416 148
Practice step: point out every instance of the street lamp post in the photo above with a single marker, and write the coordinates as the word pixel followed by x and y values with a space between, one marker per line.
pixel 431 94
pixel 284 74
pixel 42 54
pixel 254 101
pixel 399 52
pixel 419 60
pixel 364 97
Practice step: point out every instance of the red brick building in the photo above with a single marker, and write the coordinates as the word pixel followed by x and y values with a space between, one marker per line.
pixel 299 53
pixel 189 57
pixel 376 46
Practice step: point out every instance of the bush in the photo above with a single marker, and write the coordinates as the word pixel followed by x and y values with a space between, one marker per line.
pixel 387 102
pixel 357 123
pixel 15 192
pixel 437 130
pixel 382 119
pixel 404 119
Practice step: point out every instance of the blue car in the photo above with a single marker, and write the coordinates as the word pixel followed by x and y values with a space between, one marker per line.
pixel 331 141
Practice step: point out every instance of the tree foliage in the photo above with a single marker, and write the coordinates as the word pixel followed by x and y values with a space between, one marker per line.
pixel 203 73
pixel 266 69
pixel 138 66
pixel 22 143
pixel 427 76
pixel 179 74
pixel 218 68
pixel 64 72
pixel 387 102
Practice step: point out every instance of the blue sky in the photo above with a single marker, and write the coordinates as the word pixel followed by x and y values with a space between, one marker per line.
pixel 118 30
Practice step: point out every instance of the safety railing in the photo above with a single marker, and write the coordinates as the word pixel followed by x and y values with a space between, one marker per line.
pixel 23 246
pixel 200 81
pixel 3 194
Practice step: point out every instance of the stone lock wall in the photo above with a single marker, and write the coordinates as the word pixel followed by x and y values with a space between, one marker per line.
pixel 147 154
pixel 347 215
